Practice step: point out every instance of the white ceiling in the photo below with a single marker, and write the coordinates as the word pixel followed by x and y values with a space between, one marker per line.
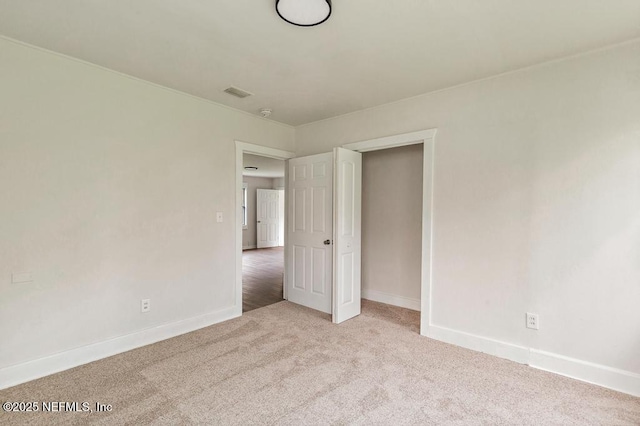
pixel 368 53
pixel 267 167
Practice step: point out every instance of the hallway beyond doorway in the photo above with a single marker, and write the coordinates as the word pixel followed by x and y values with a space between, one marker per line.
pixel 262 274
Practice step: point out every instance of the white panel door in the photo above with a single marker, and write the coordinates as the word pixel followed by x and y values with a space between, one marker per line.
pixel 347 195
pixel 310 226
pixel 267 218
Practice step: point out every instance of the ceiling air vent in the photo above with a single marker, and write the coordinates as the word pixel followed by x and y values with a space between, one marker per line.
pixel 238 93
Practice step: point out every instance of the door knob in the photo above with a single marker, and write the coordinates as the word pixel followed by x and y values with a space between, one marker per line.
pixel 327 242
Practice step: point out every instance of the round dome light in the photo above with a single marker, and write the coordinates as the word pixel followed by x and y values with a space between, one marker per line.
pixel 304 13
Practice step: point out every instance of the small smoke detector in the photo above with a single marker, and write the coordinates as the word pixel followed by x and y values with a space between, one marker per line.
pixel 265 112
pixel 237 92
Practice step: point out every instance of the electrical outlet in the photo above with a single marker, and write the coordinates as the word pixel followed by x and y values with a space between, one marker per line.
pixel 219 217
pixel 145 305
pixel 533 321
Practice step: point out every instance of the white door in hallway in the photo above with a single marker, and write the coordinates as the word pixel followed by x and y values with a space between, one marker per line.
pixel 310 231
pixel 267 218
pixel 347 208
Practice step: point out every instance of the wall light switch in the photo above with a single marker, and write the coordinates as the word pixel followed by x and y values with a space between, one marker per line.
pixel 23 277
pixel 218 216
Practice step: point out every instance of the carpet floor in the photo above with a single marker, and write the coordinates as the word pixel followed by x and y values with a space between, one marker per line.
pixel 285 364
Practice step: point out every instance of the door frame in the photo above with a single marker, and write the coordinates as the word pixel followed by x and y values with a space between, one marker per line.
pixel 241 149
pixel 427 138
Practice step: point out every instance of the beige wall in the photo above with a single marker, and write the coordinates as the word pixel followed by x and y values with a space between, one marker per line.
pixel 253 183
pixel 278 183
pixel 392 222
pixel 535 204
pixel 110 188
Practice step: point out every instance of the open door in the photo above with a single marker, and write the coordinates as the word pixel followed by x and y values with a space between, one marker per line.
pixel 324 244
pixel 310 229
pixel 267 218
pixel 347 213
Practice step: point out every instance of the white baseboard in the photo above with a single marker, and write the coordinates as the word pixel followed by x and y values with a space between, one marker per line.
pixel 249 247
pixel 31 370
pixel 601 375
pixel 519 354
pixel 391 299
pixel 608 377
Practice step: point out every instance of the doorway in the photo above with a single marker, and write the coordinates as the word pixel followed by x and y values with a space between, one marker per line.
pixel 262 269
pixel 262 220
pixel 425 137
pixel 391 225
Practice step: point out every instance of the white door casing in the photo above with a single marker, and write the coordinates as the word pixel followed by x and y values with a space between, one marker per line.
pixel 310 230
pixel 281 217
pixel 426 137
pixel 347 199
pixel 267 218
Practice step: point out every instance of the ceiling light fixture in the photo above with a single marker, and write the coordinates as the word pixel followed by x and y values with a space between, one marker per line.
pixel 304 13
